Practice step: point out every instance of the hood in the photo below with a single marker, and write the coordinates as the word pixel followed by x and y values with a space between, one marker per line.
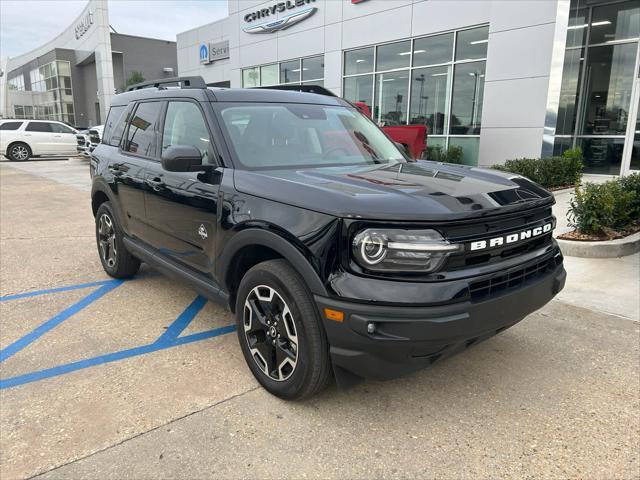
pixel 413 191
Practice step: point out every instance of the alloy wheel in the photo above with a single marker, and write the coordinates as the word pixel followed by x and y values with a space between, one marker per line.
pixel 270 332
pixel 20 152
pixel 107 240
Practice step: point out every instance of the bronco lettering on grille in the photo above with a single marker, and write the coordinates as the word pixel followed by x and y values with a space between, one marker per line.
pixel 511 238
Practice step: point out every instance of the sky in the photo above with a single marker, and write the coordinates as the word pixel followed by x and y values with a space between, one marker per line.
pixel 27 24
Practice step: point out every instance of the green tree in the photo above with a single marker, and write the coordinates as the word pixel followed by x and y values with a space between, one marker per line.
pixel 135 77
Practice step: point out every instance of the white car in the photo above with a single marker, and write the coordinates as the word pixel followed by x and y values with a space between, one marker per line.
pixel 23 139
pixel 95 137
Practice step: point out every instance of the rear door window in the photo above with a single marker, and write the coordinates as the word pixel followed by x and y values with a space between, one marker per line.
pixel 141 134
pixel 10 125
pixel 44 127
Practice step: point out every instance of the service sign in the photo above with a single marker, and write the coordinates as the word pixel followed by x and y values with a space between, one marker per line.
pixel 211 52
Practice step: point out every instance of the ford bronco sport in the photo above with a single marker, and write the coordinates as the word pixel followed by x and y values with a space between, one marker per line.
pixel 338 255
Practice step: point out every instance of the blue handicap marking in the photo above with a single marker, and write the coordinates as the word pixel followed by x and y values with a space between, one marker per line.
pixel 169 339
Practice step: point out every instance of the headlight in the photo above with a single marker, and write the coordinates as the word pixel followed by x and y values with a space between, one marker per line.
pixel 395 250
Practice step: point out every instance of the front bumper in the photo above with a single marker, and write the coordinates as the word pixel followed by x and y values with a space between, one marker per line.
pixel 407 338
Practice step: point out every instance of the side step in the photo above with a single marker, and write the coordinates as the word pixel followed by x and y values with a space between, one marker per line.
pixel 201 284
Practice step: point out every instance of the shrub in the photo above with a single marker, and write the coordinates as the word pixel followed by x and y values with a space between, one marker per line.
pixel 454 154
pixel 550 172
pixel 598 208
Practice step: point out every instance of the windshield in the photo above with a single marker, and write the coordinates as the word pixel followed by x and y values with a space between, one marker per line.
pixel 291 135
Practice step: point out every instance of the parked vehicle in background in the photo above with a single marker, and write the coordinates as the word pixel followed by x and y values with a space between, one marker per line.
pixel 413 138
pixel 95 136
pixel 82 138
pixel 23 139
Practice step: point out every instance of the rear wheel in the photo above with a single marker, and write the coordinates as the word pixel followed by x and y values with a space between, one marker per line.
pixel 114 256
pixel 19 152
pixel 280 332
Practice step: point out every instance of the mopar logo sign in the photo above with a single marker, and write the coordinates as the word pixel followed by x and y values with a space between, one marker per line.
pixel 204 53
pixel 511 238
pixel 282 23
pixel 214 51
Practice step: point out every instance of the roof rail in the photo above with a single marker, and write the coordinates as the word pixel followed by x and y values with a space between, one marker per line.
pixel 302 88
pixel 184 82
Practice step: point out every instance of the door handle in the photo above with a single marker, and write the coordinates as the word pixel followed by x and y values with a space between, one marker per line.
pixel 118 167
pixel 57 136
pixel 156 183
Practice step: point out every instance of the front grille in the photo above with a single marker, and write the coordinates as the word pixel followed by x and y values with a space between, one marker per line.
pixel 485 229
pixel 80 139
pixel 514 279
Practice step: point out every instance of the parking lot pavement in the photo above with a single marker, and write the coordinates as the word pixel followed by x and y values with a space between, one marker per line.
pixel 143 379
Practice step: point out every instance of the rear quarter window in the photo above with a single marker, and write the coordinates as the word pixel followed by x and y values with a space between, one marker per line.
pixel 114 126
pixel 39 127
pixel 10 125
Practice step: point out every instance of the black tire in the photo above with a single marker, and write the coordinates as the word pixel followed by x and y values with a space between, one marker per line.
pixel 117 262
pixel 312 370
pixel 19 152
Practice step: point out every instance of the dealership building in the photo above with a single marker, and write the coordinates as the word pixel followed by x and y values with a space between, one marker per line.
pixel 500 79
pixel 73 77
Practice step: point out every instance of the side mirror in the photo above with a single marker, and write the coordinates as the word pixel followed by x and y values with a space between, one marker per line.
pixel 182 158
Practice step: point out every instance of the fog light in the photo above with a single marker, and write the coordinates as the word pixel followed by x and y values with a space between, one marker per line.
pixel 371 328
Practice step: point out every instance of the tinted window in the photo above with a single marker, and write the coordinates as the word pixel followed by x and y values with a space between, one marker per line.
pixel 141 136
pixel 433 50
pixel 472 44
pixel 10 125
pixel 184 125
pixel 358 61
pixel 394 55
pixel 39 127
pixel 60 128
pixel 114 126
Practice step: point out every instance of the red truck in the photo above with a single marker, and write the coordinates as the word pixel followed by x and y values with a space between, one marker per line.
pixel 412 137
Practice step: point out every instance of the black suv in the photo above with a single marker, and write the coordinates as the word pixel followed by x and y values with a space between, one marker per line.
pixel 338 254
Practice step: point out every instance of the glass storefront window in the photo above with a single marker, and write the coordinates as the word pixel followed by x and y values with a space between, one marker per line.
pixel 470 148
pixel 568 105
pixel 577 28
pixel 393 55
pixel 391 97
pixel 609 79
pixel 602 155
pixel 269 75
pixel 561 144
pixel 64 68
pixel 313 68
pixel 359 89
pixel 437 81
pixel 250 77
pixel 466 100
pixel 472 44
pixel 358 61
pixel 433 50
pixel 616 21
pixel 290 72
pixel 429 97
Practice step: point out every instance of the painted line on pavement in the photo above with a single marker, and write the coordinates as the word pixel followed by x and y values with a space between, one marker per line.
pixel 56 320
pixel 68 288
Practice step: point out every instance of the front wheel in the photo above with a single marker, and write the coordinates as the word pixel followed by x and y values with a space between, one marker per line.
pixel 280 332
pixel 114 256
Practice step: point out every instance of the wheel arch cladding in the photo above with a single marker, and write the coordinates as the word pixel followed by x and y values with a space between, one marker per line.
pixel 97 199
pixel 252 246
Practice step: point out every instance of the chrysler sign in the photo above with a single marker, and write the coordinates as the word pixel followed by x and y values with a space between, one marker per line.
pixel 275 24
pixel 210 52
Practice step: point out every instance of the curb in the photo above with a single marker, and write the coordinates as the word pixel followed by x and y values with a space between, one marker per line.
pixel 605 249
